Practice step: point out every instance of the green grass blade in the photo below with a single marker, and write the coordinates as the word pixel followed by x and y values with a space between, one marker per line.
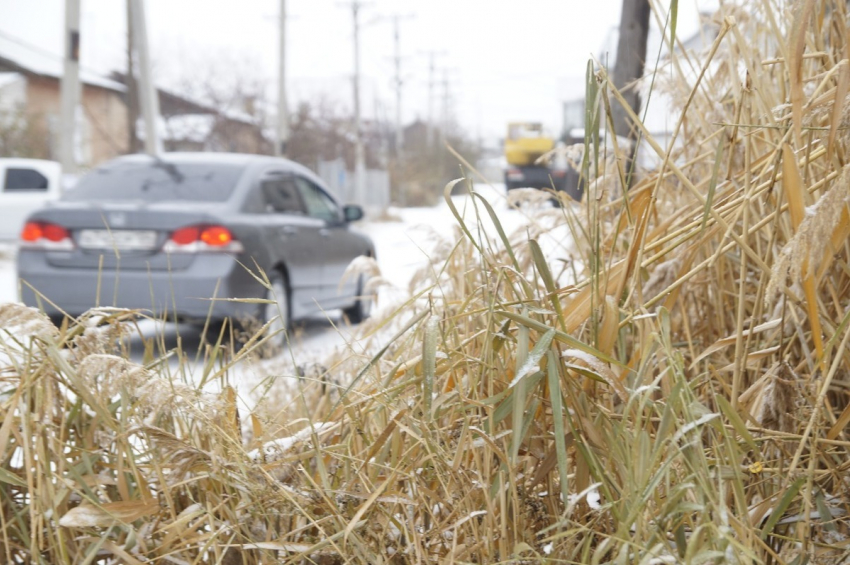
pixel 558 423
pixel 546 274
pixel 712 185
pixel 783 505
pixel 429 363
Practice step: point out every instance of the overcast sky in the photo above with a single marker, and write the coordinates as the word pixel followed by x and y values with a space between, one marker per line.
pixel 504 60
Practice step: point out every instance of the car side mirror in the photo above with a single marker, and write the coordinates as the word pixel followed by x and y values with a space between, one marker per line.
pixel 352 212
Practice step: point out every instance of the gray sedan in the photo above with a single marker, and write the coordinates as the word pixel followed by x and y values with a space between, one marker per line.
pixel 178 234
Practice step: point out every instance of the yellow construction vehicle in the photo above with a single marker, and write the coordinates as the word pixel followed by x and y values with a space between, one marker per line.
pixel 525 143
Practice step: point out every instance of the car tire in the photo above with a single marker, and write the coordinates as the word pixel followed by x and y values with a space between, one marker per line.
pixel 278 311
pixel 362 307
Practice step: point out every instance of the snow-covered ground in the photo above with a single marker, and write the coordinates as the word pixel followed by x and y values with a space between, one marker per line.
pixel 403 240
pixel 8 279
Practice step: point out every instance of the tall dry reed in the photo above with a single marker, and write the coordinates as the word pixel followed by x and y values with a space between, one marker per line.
pixel 678 394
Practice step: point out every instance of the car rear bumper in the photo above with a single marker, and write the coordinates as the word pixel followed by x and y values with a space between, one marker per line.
pixel 194 293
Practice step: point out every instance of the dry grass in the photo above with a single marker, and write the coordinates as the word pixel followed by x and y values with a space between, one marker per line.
pixel 685 401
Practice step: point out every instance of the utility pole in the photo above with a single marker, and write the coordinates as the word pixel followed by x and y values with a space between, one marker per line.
pixel 432 55
pixel 282 110
pixel 147 89
pixel 359 152
pixel 70 90
pixel 444 119
pixel 399 83
pixel 132 88
pixel 446 110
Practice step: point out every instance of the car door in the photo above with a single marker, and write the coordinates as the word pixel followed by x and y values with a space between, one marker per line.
pixel 25 186
pixel 293 238
pixel 338 247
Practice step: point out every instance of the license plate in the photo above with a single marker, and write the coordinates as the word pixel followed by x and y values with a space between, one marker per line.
pixel 117 239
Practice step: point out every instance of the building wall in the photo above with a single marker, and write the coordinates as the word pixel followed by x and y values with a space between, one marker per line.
pixel 12 94
pixel 102 124
pixel 237 137
pixel 42 107
pixel 107 116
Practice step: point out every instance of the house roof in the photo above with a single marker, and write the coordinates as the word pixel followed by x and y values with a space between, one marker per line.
pixel 31 60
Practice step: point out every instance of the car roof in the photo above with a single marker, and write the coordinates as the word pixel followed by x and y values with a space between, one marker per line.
pixel 20 161
pixel 201 157
pixel 234 159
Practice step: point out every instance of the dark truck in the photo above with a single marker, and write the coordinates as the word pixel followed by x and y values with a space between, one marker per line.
pixel 525 144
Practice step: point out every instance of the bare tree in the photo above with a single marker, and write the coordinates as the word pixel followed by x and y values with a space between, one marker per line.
pixel 24 135
pixel 231 93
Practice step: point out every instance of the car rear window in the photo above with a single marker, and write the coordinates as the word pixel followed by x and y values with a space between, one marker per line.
pixel 158 181
pixel 24 180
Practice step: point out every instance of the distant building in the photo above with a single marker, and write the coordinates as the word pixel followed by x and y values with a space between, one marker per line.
pixel 29 103
pixel 30 108
pixel 416 136
pixel 189 125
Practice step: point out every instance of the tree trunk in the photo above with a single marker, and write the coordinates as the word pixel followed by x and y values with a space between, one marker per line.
pixel 628 67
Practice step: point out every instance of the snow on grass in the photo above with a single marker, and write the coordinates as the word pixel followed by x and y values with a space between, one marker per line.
pixel 404 247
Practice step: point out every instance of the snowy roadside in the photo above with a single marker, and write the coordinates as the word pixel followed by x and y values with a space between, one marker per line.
pixel 404 244
pixel 8 277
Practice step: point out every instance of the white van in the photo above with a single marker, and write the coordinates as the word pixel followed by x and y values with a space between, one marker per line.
pixel 25 186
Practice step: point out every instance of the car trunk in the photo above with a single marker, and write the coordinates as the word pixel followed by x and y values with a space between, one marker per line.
pixel 128 236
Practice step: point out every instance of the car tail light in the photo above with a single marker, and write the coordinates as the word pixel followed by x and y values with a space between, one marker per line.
pixel 559 173
pixel 204 238
pixel 216 236
pixel 44 235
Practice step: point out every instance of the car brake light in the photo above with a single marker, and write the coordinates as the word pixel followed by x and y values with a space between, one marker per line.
pixel 32 231
pixel 193 239
pixel 185 236
pixel 55 233
pixel 216 236
pixel 44 235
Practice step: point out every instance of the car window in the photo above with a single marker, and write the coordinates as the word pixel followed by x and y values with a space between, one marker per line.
pixel 317 203
pixel 280 195
pixel 159 181
pixel 24 180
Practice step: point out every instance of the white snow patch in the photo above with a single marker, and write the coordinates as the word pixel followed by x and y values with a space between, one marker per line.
pixel 278 447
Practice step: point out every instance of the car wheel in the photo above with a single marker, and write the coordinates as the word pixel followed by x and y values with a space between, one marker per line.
pixel 362 307
pixel 277 310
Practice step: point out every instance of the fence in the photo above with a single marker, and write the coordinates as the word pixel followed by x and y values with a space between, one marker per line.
pixel 376 195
